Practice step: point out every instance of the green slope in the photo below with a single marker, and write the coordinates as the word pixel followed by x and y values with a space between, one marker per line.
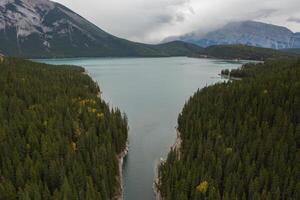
pixel 178 48
pixel 58 140
pixel 240 139
pixel 294 50
pixel 243 52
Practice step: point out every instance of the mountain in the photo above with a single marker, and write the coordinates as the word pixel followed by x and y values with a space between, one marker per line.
pixel 41 28
pixel 243 52
pixel 247 32
pixel 177 48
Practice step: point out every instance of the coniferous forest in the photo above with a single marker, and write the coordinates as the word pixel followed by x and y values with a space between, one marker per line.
pixel 240 139
pixel 58 139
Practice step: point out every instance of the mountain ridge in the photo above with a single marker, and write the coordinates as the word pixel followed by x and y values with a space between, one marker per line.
pixel 250 33
pixel 42 29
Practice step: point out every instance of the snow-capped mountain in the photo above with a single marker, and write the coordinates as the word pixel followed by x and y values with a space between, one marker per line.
pixel 41 28
pixel 249 33
pixel 24 17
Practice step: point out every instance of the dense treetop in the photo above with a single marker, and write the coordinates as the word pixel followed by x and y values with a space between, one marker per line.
pixel 240 139
pixel 58 140
pixel 244 52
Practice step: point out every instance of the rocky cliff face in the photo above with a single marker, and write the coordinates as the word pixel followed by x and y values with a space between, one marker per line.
pixel 44 28
pixel 295 41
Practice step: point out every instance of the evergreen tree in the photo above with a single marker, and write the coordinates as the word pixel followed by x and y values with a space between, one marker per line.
pixel 55 132
pixel 242 137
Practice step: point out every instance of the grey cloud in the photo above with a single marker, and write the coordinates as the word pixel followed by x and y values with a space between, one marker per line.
pixel 164 19
pixel 180 17
pixel 264 13
pixel 179 2
pixel 153 20
pixel 190 8
pixel 294 19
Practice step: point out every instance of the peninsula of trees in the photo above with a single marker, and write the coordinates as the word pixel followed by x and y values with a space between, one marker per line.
pixel 58 139
pixel 240 139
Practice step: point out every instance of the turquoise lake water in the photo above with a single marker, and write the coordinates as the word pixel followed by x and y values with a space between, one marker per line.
pixel 152 92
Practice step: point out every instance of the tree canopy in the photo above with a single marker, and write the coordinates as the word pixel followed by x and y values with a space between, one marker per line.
pixel 58 139
pixel 240 139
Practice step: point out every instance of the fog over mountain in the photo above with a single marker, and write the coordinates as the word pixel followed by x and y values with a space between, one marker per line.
pixel 154 20
pixel 248 33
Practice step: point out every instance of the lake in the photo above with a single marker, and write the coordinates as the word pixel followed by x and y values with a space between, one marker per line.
pixel 152 92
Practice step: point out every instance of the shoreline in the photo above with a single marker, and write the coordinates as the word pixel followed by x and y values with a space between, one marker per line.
pixel 176 146
pixel 228 77
pixel 120 157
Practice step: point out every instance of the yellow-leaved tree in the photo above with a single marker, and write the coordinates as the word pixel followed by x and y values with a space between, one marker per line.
pixel 202 187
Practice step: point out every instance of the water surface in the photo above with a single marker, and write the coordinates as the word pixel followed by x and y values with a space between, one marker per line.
pixel 152 92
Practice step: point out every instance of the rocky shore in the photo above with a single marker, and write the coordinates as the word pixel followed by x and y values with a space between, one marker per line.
pixel 121 157
pixel 176 146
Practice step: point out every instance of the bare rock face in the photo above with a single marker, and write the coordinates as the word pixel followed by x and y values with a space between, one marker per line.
pixel 41 28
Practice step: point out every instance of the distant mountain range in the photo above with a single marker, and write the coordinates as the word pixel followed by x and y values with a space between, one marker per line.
pixel 41 28
pixel 248 33
pixel 45 29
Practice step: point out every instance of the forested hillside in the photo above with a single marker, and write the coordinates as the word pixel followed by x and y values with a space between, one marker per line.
pixel 295 50
pixel 244 52
pixel 240 139
pixel 58 140
pixel 256 69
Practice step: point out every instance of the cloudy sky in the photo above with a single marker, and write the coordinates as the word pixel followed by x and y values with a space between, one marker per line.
pixel 153 20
